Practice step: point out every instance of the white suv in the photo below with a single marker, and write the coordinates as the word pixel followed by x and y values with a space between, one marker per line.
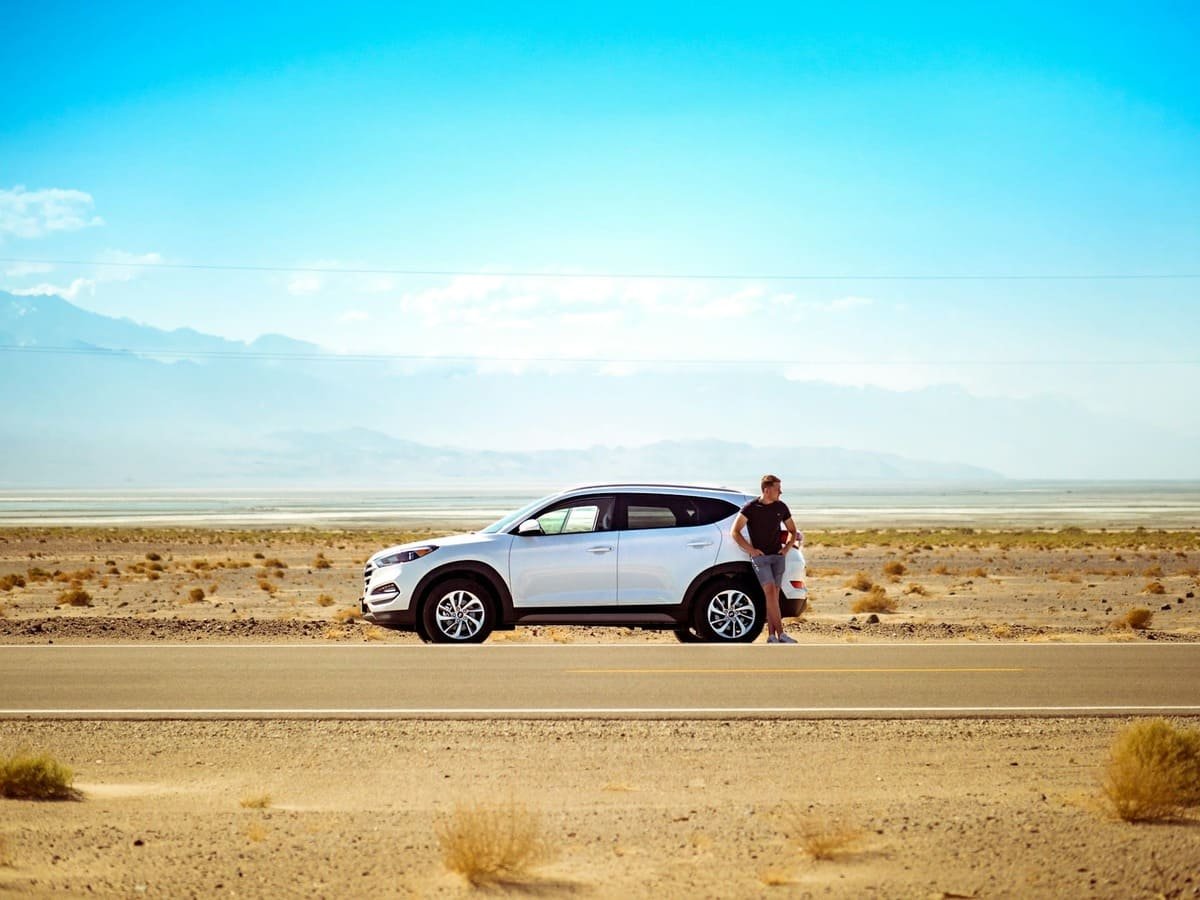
pixel 637 555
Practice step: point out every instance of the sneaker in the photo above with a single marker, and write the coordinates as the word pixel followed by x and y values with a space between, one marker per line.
pixel 771 639
pixel 784 639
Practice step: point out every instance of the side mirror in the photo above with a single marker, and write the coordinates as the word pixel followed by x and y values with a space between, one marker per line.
pixel 529 527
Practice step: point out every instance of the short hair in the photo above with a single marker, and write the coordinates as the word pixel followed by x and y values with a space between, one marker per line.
pixel 768 480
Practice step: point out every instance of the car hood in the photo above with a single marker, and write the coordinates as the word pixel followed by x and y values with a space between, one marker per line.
pixel 454 540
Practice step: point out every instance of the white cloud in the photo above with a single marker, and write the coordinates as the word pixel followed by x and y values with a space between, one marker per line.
pixel 70 292
pixel 35 214
pixel 84 284
pixel 354 315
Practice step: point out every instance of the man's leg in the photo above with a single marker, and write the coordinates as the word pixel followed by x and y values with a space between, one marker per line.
pixel 774 619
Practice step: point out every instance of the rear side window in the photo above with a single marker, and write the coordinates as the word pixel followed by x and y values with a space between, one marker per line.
pixel 673 511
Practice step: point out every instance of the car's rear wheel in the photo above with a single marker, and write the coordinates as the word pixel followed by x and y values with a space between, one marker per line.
pixel 730 612
pixel 459 611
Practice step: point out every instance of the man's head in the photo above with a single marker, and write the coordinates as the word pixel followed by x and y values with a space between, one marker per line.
pixel 771 487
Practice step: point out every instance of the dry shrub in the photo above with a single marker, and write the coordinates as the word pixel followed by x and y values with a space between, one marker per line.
pixel 1138 619
pixel 1153 771
pixel 917 589
pixel 895 568
pixel 6 857
pixel 74 597
pixel 274 564
pixel 822 838
pixel 324 600
pixel 942 569
pixel 776 877
pixel 26 776
pixel 978 572
pixel 493 845
pixel 373 633
pixel 861 582
pixel 153 557
pixel 195 595
pixel 1153 572
pixel 876 601
pixel 267 586
pixel 321 562
pixel 1154 587
pixel 1069 578
pixel 8 582
pixel 350 614
pixel 256 832
pixel 1001 631
pixel 256 801
pixel 334 634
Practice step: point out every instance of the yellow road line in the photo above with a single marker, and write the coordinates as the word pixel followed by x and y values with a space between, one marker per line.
pixel 798 670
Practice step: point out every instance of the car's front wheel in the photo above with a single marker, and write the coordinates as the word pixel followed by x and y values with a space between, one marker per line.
pixel 459 611
pixel 728 611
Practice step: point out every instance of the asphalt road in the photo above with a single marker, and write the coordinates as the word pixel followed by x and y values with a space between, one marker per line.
pixel 571 680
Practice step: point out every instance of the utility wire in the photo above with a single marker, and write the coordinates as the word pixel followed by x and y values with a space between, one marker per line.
pixel 115 352
pixel 661 276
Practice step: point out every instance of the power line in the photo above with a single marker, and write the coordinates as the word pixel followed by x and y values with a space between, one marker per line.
pixel 659 276
pixel 115 352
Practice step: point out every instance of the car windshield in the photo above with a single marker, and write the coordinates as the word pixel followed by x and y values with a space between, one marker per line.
pixel 517 517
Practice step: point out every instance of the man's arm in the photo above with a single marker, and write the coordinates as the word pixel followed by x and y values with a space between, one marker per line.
pixel 793 539
pixel 736 533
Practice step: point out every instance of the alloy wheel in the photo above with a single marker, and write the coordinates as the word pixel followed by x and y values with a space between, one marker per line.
pixel 731 614
pixel 459 615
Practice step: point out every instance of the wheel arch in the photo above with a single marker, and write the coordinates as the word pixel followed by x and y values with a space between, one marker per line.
pixel 733 571
pixel 474 570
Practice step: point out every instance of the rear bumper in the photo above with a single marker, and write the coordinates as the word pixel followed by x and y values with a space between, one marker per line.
pixel 790 607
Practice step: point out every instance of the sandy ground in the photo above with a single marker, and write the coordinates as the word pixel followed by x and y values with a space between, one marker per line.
pixel 635 809
pixel 665 809
pixel 272 585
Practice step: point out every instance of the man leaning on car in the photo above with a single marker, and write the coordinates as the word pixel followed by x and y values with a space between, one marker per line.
pixel 762 517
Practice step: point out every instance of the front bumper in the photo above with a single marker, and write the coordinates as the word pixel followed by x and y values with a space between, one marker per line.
pixel 405 619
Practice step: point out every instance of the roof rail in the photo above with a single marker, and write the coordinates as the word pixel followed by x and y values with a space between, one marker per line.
pixel 655 484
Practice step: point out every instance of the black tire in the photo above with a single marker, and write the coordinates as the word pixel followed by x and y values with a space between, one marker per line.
pixel 686 636
pixel 458 611
pixel 729 611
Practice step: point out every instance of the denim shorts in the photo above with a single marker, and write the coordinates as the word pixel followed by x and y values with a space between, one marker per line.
pixel 768 568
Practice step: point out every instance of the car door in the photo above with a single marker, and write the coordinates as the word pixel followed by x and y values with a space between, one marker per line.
pixel 666 540
pixel 572 562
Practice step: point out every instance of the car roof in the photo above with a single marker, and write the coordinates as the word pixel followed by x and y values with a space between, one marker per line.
pixel 656 488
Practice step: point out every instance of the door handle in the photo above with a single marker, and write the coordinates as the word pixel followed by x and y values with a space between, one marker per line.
pixel 599 549
pixel 700 544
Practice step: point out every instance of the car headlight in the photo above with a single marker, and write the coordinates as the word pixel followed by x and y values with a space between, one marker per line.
pixel 405 556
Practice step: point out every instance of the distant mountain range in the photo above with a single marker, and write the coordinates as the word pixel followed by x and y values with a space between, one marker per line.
pixel 92 401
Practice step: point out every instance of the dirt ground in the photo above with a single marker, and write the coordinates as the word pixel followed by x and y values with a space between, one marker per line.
pixel 634 809
pixel 965 808
pixel 304 585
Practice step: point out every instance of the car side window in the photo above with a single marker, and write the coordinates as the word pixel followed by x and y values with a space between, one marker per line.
pixel 579 516
pixel 649 512
pixel 644 511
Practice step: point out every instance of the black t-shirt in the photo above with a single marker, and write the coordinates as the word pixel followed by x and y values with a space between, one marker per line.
pixel 763 520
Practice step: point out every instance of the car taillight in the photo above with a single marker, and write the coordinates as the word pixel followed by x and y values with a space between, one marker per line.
pixel 797 584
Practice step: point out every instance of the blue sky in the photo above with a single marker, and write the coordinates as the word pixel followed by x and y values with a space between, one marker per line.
pixel 882 139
